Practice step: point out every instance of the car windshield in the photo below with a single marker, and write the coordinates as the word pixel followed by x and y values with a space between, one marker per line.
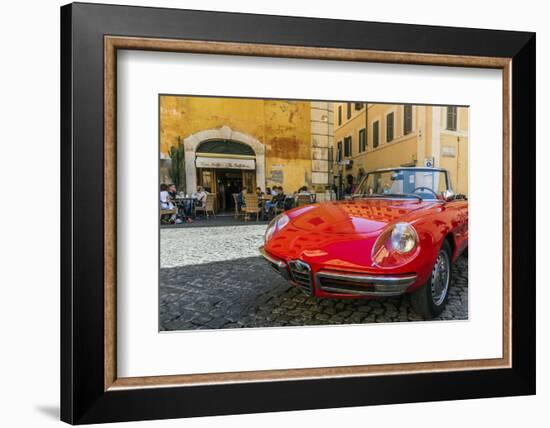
pixel 413 183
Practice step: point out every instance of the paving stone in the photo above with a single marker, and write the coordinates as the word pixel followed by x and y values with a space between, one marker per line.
pixel 322 317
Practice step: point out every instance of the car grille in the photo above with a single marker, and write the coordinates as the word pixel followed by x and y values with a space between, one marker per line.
pixel 301 274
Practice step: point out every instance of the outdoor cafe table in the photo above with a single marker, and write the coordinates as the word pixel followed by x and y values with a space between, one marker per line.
pixel 183 203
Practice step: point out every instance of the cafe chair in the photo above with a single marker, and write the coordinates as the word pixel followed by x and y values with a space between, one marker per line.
pixel 208 205
pixel 167 213
pixel 251 206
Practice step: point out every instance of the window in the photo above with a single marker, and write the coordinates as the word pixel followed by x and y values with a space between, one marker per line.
pixel 362 140
pixel 347 146
pixel 407 119
pixel 451 118
pixel 359 106
pixel 339 153
pixel 348 110
pixel 339 115
pixel 375 134
pixel 389 127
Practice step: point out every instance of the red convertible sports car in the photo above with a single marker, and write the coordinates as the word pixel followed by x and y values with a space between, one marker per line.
pixel 400 233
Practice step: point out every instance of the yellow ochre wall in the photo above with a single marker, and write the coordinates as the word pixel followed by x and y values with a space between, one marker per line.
pixel 429 138
pixel 457 140
pixel 402 150
pixel 282 126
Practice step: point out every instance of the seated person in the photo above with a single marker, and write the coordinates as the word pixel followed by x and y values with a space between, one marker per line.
pixel 278 198
pixel 166 202
pixel 280 195
pixel 172 191
pixel 240 197
pixel 260 196
pixel 201 196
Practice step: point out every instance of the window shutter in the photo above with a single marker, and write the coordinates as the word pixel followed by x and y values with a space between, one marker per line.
pixel 362 140
pixel 389 127
pixel 347 146
pixel 407 119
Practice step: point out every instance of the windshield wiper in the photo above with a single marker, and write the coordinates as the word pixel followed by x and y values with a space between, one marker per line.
pixel 390 195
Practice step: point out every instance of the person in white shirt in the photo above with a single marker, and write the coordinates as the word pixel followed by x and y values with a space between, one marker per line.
pixel 201 196
pixel 166 202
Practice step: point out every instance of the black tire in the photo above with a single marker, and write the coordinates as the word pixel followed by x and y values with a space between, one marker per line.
pixel 423 300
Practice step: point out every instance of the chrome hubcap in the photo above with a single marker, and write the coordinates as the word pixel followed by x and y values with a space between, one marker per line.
pixel 441 275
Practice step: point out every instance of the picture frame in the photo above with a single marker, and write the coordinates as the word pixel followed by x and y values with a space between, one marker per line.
pixel 91 392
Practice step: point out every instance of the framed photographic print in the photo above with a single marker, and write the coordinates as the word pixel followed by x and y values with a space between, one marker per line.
pixel 266 213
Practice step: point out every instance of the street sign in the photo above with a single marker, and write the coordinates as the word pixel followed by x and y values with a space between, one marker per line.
pixel 429 162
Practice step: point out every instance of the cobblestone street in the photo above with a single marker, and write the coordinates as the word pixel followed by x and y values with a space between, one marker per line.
pixel 214 278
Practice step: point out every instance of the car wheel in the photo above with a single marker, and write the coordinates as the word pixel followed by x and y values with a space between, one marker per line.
pixel 430 299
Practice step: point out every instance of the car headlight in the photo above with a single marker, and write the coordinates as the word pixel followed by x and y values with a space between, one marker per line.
pixel 270 230
pixel 282 221
pixel 403 238
pixel 278 223
pixel 395 246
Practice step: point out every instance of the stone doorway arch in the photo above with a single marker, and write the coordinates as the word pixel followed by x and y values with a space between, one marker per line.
pixel 224 133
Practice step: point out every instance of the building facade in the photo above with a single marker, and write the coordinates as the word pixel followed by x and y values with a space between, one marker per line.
pixel 372 136
pixel 234 142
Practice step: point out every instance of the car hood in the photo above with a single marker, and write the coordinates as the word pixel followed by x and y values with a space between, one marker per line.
pixel 359 216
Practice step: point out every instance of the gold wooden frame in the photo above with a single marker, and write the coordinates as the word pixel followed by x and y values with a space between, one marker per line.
pixel 112 43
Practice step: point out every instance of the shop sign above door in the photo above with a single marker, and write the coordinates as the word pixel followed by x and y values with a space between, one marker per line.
pixel 229 163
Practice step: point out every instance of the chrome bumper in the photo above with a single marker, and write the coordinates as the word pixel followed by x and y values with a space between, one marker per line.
pixel 277 265
pixel 363 285
pixel 349 283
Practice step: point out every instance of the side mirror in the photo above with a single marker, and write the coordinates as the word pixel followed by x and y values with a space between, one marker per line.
pixel 448 195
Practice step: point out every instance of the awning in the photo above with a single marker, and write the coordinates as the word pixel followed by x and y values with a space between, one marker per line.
pixel 229 163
